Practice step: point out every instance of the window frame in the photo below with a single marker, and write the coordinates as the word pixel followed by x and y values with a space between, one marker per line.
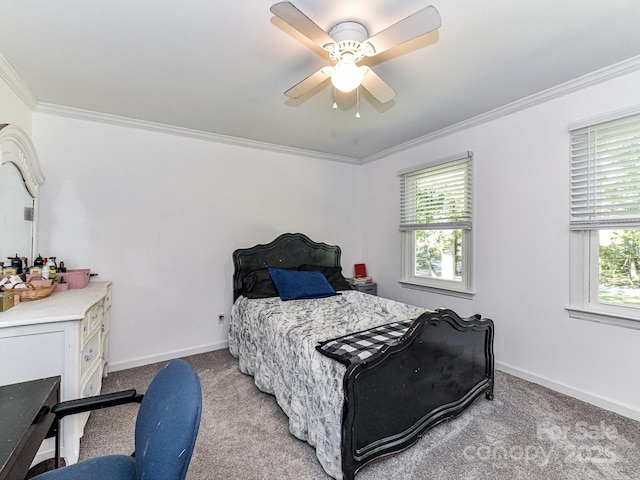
pixel 584 282
pixel 408 279
pixel 584 256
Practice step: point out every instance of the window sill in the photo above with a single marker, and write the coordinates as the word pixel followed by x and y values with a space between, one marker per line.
pixel 460 293
pixel 604 317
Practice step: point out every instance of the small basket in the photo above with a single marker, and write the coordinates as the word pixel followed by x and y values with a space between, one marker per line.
pixel 31 292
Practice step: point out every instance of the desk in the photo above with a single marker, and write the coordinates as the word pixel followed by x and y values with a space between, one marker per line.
pixel 25 420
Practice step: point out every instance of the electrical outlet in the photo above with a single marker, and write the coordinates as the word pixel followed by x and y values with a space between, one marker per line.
pixel 221 318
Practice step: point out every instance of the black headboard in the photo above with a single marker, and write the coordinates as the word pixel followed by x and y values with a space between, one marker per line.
pixel 287 251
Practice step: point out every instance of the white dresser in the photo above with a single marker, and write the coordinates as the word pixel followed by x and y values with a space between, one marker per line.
pixel 66 334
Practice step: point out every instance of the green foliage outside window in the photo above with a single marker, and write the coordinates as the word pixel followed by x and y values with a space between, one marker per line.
pixel 438 254
pixel 619 279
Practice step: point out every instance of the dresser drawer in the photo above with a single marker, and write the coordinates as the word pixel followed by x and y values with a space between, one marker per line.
pixel 105 353
pixel 93 384
pixel 90 354
pixel 107 299
pixel 370 288
pixel 106 323
pixel 104 334
pixel 90 387
pixel 92 320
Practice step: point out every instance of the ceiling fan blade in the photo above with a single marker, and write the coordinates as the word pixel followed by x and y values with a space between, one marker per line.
pixel 309 83
pixel 289 14
pixel 377 87
pixel 422 22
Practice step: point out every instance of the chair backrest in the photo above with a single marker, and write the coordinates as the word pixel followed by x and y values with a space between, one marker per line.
pixel 168 422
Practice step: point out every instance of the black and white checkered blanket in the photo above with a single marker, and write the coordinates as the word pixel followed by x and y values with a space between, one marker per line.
pixel 357 347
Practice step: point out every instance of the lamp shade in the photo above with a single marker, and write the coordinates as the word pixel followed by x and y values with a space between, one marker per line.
pixel 346 76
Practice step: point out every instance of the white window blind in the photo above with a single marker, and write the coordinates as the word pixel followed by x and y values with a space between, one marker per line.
pixel 437 197
pixel 605 175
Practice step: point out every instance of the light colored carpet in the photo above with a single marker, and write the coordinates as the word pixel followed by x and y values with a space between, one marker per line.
pixel 526 432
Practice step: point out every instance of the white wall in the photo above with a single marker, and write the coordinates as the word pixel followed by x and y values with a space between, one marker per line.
pixel 160 215
pixel 521 236
pixel 147 210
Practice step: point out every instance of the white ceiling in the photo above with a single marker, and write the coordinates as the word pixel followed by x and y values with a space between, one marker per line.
pixel 222 67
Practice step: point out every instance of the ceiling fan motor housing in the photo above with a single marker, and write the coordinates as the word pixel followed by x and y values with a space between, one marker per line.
pixel 349 37
pixel 349 31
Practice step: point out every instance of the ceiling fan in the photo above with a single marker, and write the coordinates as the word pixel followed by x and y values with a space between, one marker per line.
pixel 348 43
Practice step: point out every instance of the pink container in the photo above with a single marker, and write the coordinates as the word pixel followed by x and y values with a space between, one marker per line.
pixel 75 278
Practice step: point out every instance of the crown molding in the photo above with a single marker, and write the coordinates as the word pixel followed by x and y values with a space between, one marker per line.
pixel 11 78
pixel 594 78
pixel 590 79
pixel 81 114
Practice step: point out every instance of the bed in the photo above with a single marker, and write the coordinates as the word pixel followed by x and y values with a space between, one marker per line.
pixel 354 408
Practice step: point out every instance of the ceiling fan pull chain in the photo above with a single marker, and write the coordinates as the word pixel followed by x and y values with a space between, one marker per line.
pixel 335 104
pixel 358 102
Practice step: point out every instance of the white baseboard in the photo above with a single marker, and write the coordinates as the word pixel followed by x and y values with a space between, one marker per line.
pixel 610 404
pixel 139 362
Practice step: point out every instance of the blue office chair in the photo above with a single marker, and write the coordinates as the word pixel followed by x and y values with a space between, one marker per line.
pixel 165 433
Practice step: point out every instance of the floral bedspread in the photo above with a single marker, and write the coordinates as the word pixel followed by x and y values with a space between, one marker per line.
pixel 275 343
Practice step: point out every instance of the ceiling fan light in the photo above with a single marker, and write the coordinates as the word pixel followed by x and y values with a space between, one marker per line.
pixel 346 76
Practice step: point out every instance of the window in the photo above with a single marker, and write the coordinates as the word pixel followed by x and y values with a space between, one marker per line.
pixel 605 221
pixel 435 222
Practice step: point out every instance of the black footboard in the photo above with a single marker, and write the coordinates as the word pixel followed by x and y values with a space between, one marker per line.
pixel 440 368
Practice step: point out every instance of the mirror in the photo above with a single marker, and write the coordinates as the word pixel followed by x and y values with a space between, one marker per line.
pixel 20 180
pixel 16 227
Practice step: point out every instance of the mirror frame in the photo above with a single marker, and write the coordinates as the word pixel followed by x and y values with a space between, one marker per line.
pixel 16 147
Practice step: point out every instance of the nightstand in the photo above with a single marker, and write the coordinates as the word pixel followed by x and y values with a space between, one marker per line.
pixel 370 288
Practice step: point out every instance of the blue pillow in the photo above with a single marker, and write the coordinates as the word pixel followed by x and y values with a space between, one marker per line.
pixel 295 285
